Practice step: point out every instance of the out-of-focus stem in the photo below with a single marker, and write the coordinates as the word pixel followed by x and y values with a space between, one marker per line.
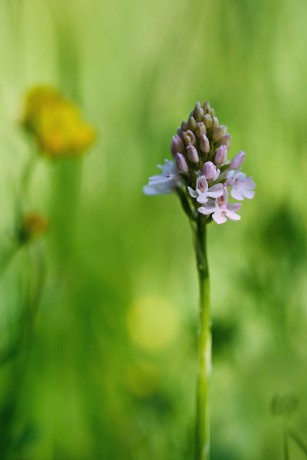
pixel 27 174
pixel 298 441
pixel 30 307
pixel 285 445
pixel 8 256
pixel 202 445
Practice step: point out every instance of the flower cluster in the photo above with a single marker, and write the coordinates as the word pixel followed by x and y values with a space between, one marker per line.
pixel 56 123
pixel 201 170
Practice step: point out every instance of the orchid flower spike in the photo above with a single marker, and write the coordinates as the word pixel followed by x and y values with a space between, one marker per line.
pixel 201 173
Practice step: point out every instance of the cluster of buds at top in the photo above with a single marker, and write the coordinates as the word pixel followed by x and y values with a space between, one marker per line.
pixel 201 170
pixel 56 123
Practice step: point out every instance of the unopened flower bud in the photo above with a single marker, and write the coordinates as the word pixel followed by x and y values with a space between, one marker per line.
pixel 215 122
pixel 192 153
pixel 219 132
pixel 204 144
pixel 177 145
pixel 221 155
pixel 181 163
pixel 208 121
pixel 184 126
pixel 192 125
pixel 237 160
pixel 200 129
pixel 209 171
pixel 212 112
pixel 189 137
pixel 199 112
pixel 207 107
pixel 226 140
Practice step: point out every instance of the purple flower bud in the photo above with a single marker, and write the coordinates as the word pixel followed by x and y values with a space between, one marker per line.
pixel 219 133
pixel 181 163
pixel 184 126
pixel 210 171
pixel 221 155
pixel 192 153
pixel 192 125
pixel 177 145
pixel 204 144
pixel 189 137
pixel 200 129
pixel 226 141
pixel 199 112
pixel 208 121
pixel 237 160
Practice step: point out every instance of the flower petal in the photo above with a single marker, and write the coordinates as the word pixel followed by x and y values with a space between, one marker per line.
pixel 232 215
pixel 206 210
pixel 234 207
pixel 149 190
pixel 215 191
pixel 249 194
pixel 202 198
pixel 236 194
pixel 219 217
pixel 192 192
pixel 201 185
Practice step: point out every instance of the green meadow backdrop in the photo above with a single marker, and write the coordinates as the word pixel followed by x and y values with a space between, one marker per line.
pixel 106 368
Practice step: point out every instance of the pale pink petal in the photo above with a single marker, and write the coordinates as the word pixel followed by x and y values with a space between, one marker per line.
pixel 236 194
pixel 215 191
pixel 202 198
pixel 206 210
pixel 250 183
pixel 219 217
pixel 160 179
pixel 234 207
pixel 249 194
pixel 149 190
pixel 192 192
pixel 237 161
pixel 232 215
pixel 201 185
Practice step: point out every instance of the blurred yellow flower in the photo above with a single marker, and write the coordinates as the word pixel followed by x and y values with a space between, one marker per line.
pixel 32 226
pixel 56 123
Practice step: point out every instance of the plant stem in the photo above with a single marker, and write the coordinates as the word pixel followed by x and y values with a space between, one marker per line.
pixel 298 441
pixel 202 448
pixel 285 444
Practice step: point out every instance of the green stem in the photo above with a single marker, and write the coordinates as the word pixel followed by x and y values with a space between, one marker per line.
pixel 30 307
pixel 27 174
pixel 8 256
pixel 298 441
pixel 285 445
pixel 202 448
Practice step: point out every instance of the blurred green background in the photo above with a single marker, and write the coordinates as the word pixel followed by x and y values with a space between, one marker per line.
pixel 106 369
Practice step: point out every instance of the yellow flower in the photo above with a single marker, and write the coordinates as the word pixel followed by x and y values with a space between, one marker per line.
pixel 56 123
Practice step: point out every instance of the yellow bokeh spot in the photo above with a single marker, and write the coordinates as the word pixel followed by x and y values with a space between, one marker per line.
pixel 152 323
pixel 36 99
pixel 56 123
